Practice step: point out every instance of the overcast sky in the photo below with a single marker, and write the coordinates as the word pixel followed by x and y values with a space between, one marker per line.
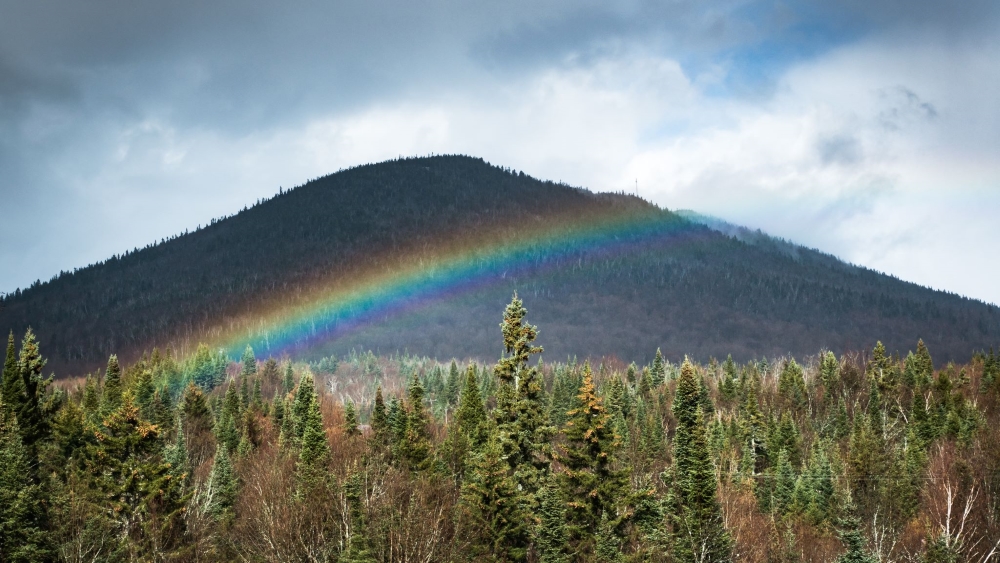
pixel 867 129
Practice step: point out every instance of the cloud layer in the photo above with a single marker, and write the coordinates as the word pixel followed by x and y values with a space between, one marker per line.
pixel 868 130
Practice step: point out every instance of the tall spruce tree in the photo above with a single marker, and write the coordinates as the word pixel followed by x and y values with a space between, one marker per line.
pixel 351 420
pixel 416 444
pixel 697 530
pixel 249 363
pixel 23 538
pixel 111 397
pixel 494 508
pixel 11 386
pixel 552 535
pixel 471 414
pixel 223 486
pixel 590 481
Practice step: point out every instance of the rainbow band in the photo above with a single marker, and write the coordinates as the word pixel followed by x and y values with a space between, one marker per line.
pixel 407 281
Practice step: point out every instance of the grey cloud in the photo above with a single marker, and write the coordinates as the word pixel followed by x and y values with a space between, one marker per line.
pixel 839 149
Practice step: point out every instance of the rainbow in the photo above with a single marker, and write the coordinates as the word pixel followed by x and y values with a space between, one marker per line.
pixel 413 278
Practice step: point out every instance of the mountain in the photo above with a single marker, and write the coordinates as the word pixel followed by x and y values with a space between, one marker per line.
pixel 422 254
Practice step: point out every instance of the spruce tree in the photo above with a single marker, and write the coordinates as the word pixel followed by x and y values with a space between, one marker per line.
pixel 314 452
pixel 453 385
pixel 288 381
pixel 36 409
pixel 551 535
pixel 416 446
pixel 351 420
pixel 358 547
pixel 380 420
pixel 11 386
pixel 659 370
pixel 305 396
pixel 23 538
pixel 111 398
pixel 249 363
pixel 854 541
pixel 471 414
pixel 792 385
pixel 493 507
pixel 590 482
pixel 223 487
pixel 607 544
pixel 697 530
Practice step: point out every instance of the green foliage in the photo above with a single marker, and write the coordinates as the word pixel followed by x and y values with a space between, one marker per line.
pixel 552 535
pixel 791 384
pixel 22 525
pixel 351 420
pixel 223 487
pixel 493 507
pixel 248 368
pixel 697 531
pixel 415 447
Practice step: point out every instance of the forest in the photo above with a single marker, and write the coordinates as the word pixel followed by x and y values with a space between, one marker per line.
pixel 693 291
pixel 867 456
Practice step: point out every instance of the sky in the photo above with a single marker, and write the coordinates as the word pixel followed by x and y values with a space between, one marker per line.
pixel 867 129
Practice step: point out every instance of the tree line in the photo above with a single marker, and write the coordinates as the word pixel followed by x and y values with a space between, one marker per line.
pixel 361 458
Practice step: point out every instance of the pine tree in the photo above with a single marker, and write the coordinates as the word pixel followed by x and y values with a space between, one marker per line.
pixel 784 484
pixel 493 507
pixel 471 414
pixel 11 386
pixel 416 446
pixel 249 363
pixel 314 453
pixel 659 371
pixel 453 385
pixel 288 381
pixel 792 385
pixel 22 527
pixel 380 420
pixel 854 541
pixel 269 374
pixel 223 488
pixel 144 391
pixel 305 396
pixel 203 371
pixel 607 546
pixel 176 455
pixel 552 536
pixel 351 420
pixel 35 411
pixel 521 417
pixel 697 530
pixel 358 548
pixel 590 482
pixel 111 398
pixel 829 372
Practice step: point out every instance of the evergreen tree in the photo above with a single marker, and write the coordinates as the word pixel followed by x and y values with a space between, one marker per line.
pixel 697 530
pixel 176 455
pixel 380 419
pixel 590 482
pixel 36 409
pixel 269 374
pixel 552 536
pixel 416 445
pixel 351 420
pixel 829 373
pixel 358 547
pixel 792 385
pixel 249 363
pixel 288 381
pixel 305 396
pixel 453 385
pixel 314 453
pixel 607 544
pixel 854 541
pixel 784 484
pixel 203 372
pixel 23 538
pixel 659 370
pixel 493 507
pixel 111 398
pixel 471 415
pixel 11 386
pixel 223 487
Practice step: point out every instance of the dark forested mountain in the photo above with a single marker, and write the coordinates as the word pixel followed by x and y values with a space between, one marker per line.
pixel 701 293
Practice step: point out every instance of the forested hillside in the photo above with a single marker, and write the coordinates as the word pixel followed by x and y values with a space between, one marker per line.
pixel 691 291
pixel 859 458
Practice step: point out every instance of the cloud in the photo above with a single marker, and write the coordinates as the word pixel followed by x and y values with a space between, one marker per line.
pixel 864 129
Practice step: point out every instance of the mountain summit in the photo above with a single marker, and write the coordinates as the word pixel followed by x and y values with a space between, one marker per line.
pixel 419 254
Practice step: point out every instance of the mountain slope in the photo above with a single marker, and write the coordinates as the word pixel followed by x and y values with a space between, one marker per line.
pixel 315 267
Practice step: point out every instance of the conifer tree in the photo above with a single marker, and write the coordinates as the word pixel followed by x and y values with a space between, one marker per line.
pixel 23 538
pixel 315 451
pixel 854 541
pixel 203 371
pixel 269 374
pixel 792 385
pixel 453 385
pixel 358 548
pixel 829 372
pixel 144 393
pixel 590 482
pixel 493 507
pixel 223 487
pixel 659 370
pixel 351 420
pixel 249 363
pixel 305 396
pixel 471 414
pixel 11 386
pixel 697 530
pixel 521 417
pixel 416 445
pixel 380 419
pixel 176 455
pixel 552 536
pixel 607 546
pixel 288 381
pixel 111 398
pixel 35 411
pixel 784 484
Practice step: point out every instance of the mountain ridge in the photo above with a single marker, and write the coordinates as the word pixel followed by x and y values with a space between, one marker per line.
pixel 687 285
